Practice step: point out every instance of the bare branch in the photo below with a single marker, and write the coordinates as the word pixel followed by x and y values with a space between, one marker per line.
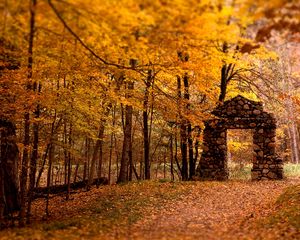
pixel 81 42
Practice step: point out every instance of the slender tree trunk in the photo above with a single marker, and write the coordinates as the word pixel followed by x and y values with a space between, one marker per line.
pixel 126 152
pixel 183 147
pixel 157 167
pixel 43 165
pixel 98 146
pixel 84 170
pixel 130 161
pixel 76 172
pixel 145 126
pixel 87 149
pixel 223 86
pixel 176 156
pixel 110 158
pixel 111 143
pixel 65 153
pixel 117 157
pixel 24 173
pixel 192 166
pixel 51 155
pixel 227 73
pixel 165 162
pixel 69 164
pixel 100 161
pixel 198 131
pixel 151 114
pixel 171 157
pixel 294 139
pixel 34 157
pixel 183 135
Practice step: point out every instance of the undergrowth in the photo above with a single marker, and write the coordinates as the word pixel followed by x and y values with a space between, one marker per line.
pixel 115 210
pixel 243 172
pixel 284 222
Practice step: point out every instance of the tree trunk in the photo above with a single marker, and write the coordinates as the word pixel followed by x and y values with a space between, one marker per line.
pixel 51 155
pixel 227 73
pixel 87 149
pixel 223 87
pixel 34 157
pixel 145 126
pixel 43 165
pixel 24 172
pixel 294 140
pixel 165 162
pixel 183 135
pixel 176 156
pixel 98 146
pixel 198 131
pixel 69 164
pixel 76 173
pixel 183 147
pixel 65 153
pixel 126 152
pixel 9 198
pixel 192 166
pixel 171 157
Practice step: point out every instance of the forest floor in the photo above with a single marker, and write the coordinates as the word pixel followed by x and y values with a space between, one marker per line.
pixel 166 210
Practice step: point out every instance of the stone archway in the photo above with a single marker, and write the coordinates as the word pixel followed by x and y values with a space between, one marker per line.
pixel 240 113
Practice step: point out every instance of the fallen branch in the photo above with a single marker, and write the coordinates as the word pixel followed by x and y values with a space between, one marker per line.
pixel 41 192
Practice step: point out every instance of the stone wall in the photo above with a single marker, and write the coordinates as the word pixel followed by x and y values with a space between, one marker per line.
pixel 240 113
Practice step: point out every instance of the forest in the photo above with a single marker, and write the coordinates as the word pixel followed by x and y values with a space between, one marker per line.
pixel 106 108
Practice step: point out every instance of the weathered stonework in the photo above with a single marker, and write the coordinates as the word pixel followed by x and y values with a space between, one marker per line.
pixel 240 113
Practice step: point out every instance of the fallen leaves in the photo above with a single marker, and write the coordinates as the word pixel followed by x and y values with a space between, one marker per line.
pixel 154 210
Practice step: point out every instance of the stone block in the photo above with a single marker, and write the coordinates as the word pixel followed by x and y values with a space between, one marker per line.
pixel 255 175
pixel 256 147
pixel 256 112
pixel 264 171
pixel 260 153
pixel 246 106
pixel 272 144
pixel 223 147
pixel 272 175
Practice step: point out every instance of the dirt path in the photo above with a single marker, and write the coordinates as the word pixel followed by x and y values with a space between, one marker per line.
pixel 212 211
pixel 189 210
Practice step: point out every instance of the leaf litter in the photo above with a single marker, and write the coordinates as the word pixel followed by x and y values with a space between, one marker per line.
pixel 155 210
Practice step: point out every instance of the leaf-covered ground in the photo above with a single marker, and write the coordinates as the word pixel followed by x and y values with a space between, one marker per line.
pixel 182 210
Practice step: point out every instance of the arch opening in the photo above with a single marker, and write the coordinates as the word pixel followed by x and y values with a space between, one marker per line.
pixel 240 153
